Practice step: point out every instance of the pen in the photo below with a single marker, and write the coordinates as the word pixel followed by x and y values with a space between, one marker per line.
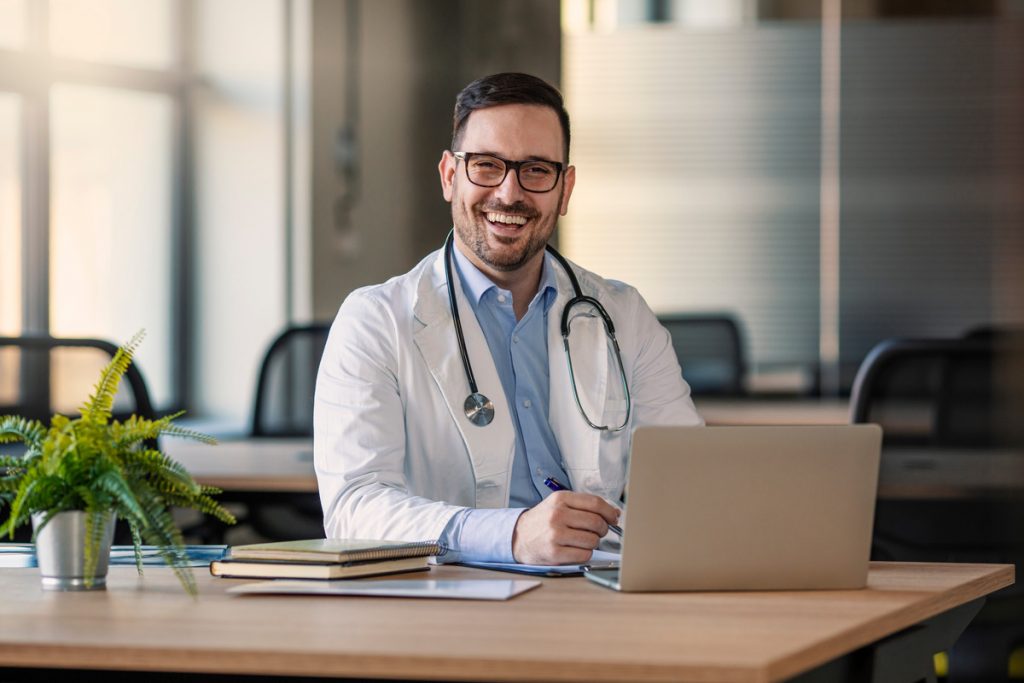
pixel 556 485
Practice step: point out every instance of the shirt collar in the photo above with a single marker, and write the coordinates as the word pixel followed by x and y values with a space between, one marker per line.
pixel 476 284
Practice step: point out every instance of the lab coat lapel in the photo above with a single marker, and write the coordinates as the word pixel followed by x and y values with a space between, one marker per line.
pixel 490 447
pixel 578 442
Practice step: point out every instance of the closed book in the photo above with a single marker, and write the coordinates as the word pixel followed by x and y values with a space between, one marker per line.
pixel 276 569
pixel 334 550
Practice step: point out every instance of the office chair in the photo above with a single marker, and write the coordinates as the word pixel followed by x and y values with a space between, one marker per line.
pixel 710 350
pixel 284 408
pixel 42 375
pixel 943 394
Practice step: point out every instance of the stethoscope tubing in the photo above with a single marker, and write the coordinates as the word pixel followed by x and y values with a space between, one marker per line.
pixel 478 408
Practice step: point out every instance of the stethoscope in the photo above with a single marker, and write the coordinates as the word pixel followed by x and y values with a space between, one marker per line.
pixel 478 408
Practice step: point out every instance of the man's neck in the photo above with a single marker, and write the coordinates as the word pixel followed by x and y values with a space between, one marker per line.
pixel 523 282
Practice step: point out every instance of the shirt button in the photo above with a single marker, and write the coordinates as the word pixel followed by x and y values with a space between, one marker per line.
pixel 501 298
pixel 526 403
pixel 515 339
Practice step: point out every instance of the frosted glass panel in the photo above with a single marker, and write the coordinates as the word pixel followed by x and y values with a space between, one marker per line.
pixel 698 164
pixel 131 32
pixel 13 24
pixel 111 203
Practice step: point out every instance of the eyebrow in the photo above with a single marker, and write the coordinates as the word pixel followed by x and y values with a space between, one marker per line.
pixel 532 157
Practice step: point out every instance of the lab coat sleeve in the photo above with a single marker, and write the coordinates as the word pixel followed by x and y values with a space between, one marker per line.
pixel 660 394
pixel 359 432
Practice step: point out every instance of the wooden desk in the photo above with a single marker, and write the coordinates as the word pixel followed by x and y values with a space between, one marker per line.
pixel 781 411
pixel 569 629
pixel 923 473
pixel 248 465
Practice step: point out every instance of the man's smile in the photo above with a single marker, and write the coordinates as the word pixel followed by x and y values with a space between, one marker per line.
pixel 506 218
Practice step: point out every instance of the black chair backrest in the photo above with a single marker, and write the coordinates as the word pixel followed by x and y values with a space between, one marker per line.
pixel 710 351
pixel 287 381
pixel 942 392
pixel 42 375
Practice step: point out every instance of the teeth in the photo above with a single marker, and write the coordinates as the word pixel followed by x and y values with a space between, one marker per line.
pixel 506 218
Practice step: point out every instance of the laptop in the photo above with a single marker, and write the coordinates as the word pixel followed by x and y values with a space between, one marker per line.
pixel 748 508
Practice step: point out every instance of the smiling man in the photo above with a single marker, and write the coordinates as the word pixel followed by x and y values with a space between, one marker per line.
pixel 446 407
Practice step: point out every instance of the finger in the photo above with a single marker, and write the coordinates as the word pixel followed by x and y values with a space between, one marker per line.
pixel 591 503
pixel 581 520
pixel 575 538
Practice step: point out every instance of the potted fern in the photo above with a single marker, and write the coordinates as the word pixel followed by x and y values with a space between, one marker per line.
pixel 79 475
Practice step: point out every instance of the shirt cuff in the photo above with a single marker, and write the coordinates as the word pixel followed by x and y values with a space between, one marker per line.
pixel 480 535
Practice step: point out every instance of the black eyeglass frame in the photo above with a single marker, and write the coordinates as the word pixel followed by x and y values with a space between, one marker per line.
pixel 509 165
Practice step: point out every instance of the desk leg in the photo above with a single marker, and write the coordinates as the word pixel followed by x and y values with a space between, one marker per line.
pixel 904 657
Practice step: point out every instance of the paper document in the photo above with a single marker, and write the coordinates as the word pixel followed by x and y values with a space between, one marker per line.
pixel 600 558
pixel 459 589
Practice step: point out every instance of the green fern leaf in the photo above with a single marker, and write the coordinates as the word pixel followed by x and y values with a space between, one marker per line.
pixel 29 432
pixel 97 408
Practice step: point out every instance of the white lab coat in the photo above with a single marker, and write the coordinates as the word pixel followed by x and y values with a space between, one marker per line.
pixel 396 456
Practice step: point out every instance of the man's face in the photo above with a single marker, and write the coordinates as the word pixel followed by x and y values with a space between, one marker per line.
pixel 487 219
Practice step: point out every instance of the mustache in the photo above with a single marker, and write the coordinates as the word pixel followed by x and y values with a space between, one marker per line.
pixel 517 208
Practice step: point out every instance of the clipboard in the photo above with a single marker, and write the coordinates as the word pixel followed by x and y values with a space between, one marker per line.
pixel 601 559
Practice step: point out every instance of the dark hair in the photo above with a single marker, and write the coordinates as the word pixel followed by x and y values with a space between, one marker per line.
pixel 507 88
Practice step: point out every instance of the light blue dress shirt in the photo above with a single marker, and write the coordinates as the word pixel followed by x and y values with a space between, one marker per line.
pixel 520 353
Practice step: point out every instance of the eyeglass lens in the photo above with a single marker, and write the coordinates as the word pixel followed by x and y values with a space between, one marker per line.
pixel 488 171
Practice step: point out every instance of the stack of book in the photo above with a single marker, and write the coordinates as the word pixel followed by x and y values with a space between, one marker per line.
pixel 321 558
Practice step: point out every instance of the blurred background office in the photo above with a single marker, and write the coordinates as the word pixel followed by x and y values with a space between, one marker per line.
pixel 790 183
pixel 826 174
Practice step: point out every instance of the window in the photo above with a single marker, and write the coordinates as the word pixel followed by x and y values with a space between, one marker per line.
pixel 10 242
pixel 92 251
pixel 10 215
pixel 142 185
pixel 13 24
pixel 111 242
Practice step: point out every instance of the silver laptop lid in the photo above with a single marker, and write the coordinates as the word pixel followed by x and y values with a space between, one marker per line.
pixel 750 508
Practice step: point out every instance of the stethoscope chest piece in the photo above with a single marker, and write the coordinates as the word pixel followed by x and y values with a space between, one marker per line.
pixel 479 409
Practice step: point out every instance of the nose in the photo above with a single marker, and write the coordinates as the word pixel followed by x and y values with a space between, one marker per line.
pixel 510 191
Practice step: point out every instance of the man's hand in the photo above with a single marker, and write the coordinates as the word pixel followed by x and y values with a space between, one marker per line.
pixel 564 528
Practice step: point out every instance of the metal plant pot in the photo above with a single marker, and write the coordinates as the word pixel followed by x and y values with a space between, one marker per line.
pixel 60 552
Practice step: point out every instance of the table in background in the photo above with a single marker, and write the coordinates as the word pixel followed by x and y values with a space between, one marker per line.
pixel 923 473
pixel 773 411
pixel 568 630
pixel 264 465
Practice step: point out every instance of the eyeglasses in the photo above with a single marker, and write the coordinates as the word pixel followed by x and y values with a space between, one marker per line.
pixel 534 175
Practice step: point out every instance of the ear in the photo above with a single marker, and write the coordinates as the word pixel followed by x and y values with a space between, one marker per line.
pixel 446 168
pixel 567 184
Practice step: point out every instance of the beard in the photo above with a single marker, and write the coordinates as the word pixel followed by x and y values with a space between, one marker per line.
pixel 503 254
